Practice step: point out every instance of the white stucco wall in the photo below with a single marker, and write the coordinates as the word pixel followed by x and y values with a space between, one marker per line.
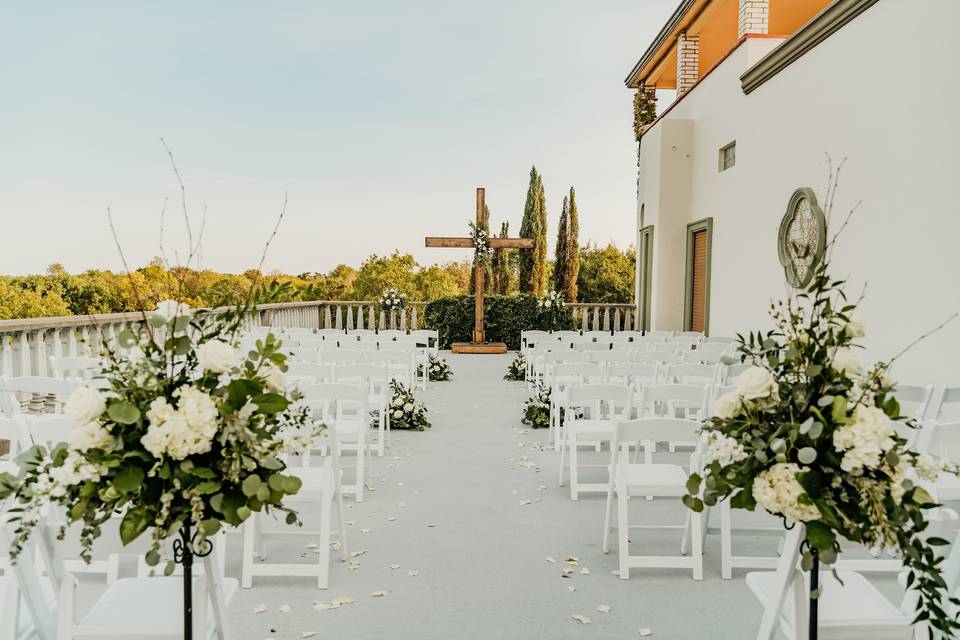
pixel 882 93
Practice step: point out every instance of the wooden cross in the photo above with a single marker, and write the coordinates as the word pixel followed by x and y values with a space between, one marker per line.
pixel 479 338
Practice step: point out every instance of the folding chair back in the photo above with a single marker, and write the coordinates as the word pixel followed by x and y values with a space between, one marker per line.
pixel 695 374
pixel 599 401
pixel 635 374
pixel 74 367
pixel 48 430
pixel 655 357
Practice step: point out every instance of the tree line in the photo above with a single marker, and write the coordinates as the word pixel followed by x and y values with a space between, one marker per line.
pixel 581 273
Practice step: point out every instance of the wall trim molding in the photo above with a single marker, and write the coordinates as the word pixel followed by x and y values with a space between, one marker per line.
pixel 830 20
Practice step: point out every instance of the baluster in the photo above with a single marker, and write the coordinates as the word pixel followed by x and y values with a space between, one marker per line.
pixel 327 320
pixel 349 317
pixel 583 318
pixel 71 342
pixel 383 319
pixel 403 320
pixel 372 316
pixel 339 317
pixel 25 369
pixel 627 319
pixel 413 319
pixel 616 319
pixel 6 354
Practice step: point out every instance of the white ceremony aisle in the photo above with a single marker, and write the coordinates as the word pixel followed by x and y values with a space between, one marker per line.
pixel 478 547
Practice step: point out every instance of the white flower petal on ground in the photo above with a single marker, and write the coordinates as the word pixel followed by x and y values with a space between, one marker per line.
pixel 284 608
pixel 603 608
pixel 413 574
pixel 645 632
pixel 260 608
pixel 378 594
pixel 581 618
pixel 551 559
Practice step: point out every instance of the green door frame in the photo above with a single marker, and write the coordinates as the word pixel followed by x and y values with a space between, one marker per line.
pixel 645 259
pixel 700 225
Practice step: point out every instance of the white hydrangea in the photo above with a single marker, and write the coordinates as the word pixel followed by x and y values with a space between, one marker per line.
pixel 846 362
pixel 91 435
pixel 899 474
pixel 182 431
pixel 865 441
pixel 85 405
pixel 756 383
pixel 75 470
pixel 928 468
pixel 778 491
pixel 727 406
pixel 723 449
pixel 216 356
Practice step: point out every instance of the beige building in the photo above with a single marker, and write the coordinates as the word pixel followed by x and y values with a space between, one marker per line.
pixel 760 94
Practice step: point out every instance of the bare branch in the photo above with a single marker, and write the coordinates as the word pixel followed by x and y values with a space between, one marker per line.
pixel 266 246
pixel 163 215
pixel 183 198
pixel 133 284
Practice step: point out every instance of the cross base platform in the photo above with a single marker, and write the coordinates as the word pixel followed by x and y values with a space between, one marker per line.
pixel 479 347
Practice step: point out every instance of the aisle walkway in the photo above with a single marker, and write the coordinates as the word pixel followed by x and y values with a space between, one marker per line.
pixel 479 548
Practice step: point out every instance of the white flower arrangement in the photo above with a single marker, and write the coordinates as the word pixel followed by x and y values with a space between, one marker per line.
pixel 481 243
pixel 404 410
pixel 552 310
pixel 392 300
pixel 810 434
pixel 187 431
pixel 437 369
pixel 552 300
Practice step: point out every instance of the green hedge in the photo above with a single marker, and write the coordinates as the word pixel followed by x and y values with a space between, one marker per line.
pixel 504 318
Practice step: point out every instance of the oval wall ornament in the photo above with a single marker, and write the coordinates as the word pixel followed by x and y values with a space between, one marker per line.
pixel 802 238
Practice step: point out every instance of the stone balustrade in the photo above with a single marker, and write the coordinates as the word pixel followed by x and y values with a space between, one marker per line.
pixel 26 345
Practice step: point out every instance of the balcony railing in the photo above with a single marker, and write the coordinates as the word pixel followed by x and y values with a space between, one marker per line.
pixel 26 345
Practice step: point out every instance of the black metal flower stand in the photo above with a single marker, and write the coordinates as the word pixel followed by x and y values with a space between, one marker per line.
pixel 185 549
pixel 814 593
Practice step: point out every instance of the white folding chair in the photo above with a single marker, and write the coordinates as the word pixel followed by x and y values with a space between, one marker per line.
pixel 849 605
pixel 942 441
pixel 563 376
pixel 331 333
pixel 945 405
pixel 320 488
pixel 150 607
pixel 376 379
pixel 695 374
pixel 608 358
pixel 399 363
pixel 299 374
pixel 589 419
pixel 730 342
pixel 343 356
pixel 673 400
pixel 74 367
pixel 629 479
pixel 14 431
pixel 714 347
pixel 348 417
pixel 33 394
pixel 698 335
pixel 657 334
pixel 655 357
pixel 703 357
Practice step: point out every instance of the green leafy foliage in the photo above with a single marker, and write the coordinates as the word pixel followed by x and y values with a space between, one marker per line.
pixel 517 369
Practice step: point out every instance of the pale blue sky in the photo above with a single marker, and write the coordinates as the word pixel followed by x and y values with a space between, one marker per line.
pixel 378 117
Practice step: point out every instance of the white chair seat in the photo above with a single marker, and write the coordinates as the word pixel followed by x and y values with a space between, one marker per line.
pixel 848 611
pixel 586 429
pixel 667 480
pixel 315 480
pixel 946 488
pixel 122 606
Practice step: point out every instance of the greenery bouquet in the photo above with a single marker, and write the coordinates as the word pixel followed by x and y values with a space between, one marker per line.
pixel 552 310
pixel 405 412
pixel 815 436
pixel 392 300
pixel 536 410
pixel 437 369
pixel 185 430
pixel 517 369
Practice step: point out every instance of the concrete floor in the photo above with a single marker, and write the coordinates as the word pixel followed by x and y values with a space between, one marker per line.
pixel 482 568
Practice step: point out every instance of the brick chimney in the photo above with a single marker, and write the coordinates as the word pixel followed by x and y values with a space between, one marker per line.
pixel 688 61
pixel 754 17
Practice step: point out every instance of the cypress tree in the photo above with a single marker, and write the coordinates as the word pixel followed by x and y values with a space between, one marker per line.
pixel 528 230
pixel 539 274
pixel 560 256
pixel 572 253
pixel 501 264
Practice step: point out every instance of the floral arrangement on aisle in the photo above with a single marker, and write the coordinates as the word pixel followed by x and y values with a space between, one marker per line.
pixel 481 243
pixel 517 369
pixel 405 411
pixel 536 410
pixel 814 435
pixel 552 310
pixel 437 369
pixel 187 433
pixel 392 300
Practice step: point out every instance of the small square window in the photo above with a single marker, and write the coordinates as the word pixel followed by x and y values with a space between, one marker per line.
pixel 728 156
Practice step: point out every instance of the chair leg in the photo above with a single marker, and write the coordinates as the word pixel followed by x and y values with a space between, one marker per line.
pixel 607 513
pixel 574 469
pixel 360 471
pixel 685 541
pixel 697 539
pixel 726 542
pixel 323 558
pixel 246 566
pixel 563 452
pixel 113 568
pixel 623 534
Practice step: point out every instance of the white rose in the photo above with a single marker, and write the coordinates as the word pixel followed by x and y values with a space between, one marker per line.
pixel 854 329
pixel 398 414
pixel 216 356
pixel 85 405
pixel 398 402
pixel 168 309
pixel 91 435
pixel 727 406
pixel 755 383
pixel 274 377
pixel 844 361
pixel 408 407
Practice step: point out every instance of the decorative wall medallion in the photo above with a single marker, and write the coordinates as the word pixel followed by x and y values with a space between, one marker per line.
pixel 802 238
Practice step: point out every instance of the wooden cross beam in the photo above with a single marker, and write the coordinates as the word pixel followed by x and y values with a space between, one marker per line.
pixel 479 338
